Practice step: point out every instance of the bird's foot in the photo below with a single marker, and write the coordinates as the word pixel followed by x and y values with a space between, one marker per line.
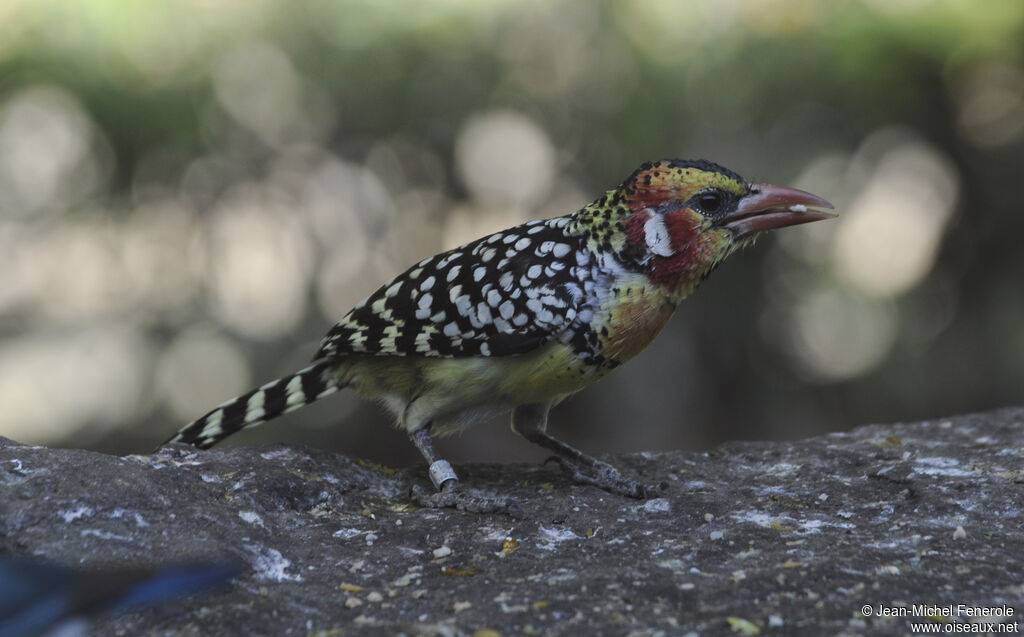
pixel 604 476
pixel 453 496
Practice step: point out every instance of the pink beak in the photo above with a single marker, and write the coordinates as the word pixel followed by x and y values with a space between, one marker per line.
pixel 768 207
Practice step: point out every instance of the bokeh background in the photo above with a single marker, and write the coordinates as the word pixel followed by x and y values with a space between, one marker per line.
pixel 193 191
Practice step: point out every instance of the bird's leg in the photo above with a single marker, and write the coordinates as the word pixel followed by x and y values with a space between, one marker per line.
pixel 450 493
pixel 530 422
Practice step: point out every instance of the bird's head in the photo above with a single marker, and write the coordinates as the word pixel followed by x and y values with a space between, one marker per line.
pixel 676 220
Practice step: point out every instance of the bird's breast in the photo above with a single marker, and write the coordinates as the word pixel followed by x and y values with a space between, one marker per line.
pixel 633 315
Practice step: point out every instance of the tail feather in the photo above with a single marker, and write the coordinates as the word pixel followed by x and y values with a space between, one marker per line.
pixel 260 405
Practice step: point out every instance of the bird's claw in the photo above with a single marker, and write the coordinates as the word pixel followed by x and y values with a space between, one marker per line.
pixel 604 476
pixel 453 496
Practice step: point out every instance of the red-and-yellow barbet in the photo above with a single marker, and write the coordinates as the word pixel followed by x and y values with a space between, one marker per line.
pixel 522 319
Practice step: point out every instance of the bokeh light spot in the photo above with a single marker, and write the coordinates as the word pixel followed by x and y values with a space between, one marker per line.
pixel 991 106
pixel 257 85
pixel 51 383
pixel 198 370
pixel 47 158
pixel 504 158
pixel 887 240
pixel 837 336
pixel 260 264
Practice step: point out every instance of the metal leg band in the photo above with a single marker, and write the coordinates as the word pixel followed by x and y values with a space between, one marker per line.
pixel 441 472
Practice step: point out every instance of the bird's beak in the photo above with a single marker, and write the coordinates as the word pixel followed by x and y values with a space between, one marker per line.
pixel 768 207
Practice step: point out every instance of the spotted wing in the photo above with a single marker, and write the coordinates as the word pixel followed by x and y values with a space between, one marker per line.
pixel 504 294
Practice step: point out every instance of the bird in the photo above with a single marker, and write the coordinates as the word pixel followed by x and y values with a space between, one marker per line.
pixel 519 320
pixel 41 597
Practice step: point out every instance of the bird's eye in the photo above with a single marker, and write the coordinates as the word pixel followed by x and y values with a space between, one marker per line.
pixel 711 202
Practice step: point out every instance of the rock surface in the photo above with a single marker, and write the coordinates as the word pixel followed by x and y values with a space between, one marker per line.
pixel 768 537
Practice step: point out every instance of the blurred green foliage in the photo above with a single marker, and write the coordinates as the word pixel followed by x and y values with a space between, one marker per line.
pixel 158 157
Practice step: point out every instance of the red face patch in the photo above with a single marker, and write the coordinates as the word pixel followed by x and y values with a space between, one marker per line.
pixel 634 229
pixel 688 250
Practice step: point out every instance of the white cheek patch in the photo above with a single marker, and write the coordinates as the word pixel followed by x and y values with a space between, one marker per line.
pixel 656 234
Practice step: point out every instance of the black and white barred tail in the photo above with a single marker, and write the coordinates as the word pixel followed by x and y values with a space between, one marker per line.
pixel 261 404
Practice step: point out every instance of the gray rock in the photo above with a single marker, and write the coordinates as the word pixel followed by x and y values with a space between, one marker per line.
pixel 776 537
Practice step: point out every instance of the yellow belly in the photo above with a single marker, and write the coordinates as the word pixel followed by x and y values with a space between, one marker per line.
pixel 454 393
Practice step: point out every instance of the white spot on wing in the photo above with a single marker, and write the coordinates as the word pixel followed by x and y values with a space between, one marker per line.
pixel 507 310
pixel 422 342
pixel 443 263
